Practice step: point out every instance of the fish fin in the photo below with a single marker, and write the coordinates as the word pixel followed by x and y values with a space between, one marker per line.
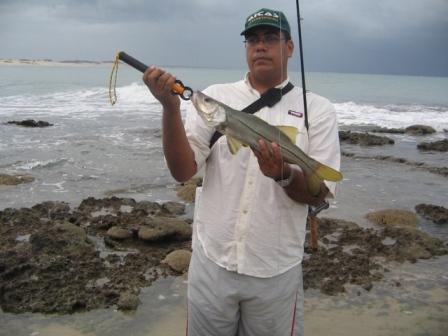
pixel 234 145
pixel 327 173
pixel 290 132
pixel 318 175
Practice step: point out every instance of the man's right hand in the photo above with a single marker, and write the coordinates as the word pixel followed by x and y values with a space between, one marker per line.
pixel 160 83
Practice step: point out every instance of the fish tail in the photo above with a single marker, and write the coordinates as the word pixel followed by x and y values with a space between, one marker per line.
pixel 320 173
pixel 327 173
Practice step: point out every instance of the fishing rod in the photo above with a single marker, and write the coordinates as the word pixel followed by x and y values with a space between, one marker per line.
pixel 313 211
pixel 178 88
pixel 302 66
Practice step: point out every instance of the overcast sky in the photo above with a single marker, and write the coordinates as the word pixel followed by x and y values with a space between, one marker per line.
pixel 364 36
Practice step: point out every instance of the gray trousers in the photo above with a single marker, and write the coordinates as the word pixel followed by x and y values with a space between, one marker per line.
pixel 225 303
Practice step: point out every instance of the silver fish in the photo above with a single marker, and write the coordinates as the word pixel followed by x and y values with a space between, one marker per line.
pixel 244 129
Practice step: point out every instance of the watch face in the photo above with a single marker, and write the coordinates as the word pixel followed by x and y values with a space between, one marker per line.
pixel 287 181
pixel 284 182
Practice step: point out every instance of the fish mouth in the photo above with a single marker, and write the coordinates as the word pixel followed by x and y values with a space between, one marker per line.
pixel 195 97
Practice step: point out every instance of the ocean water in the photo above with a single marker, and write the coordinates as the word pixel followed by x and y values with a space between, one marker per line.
pixel 95 149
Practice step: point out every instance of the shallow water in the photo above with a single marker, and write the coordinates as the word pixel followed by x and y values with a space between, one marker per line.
pixel 162 298
pixel 411 300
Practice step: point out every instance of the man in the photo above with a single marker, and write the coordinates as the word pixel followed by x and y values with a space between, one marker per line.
pixel 245 275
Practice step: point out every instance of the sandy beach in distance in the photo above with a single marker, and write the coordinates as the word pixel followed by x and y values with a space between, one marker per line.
pixel 50 62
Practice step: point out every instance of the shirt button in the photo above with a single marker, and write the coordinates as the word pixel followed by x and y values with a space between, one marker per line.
pixel 245 211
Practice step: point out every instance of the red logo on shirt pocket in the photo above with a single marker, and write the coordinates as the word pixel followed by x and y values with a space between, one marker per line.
pixel 295 113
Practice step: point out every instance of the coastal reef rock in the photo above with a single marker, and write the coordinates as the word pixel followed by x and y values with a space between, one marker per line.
pixel 54 259
pixel 119 233
pixel 30 123
pixel 349 254
pixel 364 139
pixel 162 228
pixel 178 260
pixel 440 146
pixel 128 301
pixel 435 213
pixel 15 179
pixel 395 217
pixel 443 171
pixel 57 259
pixel 187 190
pixel 388 130
pixel 419 130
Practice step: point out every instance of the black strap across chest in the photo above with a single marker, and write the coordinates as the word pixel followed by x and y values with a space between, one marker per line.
pixel 269 98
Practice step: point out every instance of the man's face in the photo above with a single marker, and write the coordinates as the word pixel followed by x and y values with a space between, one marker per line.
pixel 267 52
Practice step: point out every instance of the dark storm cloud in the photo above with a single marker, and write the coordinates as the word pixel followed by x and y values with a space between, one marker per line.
pixel 382 36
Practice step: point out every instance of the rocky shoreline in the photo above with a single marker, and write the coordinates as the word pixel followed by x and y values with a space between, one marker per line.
pixel 60 259
pixel 54 259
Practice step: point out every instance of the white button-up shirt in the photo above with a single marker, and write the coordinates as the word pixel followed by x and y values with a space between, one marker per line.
pixel 244 220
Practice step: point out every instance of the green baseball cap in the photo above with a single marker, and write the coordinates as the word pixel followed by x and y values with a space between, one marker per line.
pixel 267 17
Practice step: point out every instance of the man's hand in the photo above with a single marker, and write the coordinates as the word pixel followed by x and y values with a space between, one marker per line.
pixel 160 83
pixel 271 161
pixel 272 165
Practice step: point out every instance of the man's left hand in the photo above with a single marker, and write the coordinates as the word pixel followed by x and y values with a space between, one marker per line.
pixel 271 161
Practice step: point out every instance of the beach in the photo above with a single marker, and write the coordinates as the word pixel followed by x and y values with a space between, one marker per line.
pixel 93 151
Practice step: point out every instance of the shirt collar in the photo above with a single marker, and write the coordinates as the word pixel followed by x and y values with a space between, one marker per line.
pixel 247 82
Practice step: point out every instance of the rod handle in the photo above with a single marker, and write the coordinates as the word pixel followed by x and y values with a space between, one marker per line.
pixel 128 59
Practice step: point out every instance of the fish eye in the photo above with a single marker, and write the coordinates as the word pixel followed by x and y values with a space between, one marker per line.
pixel 207 100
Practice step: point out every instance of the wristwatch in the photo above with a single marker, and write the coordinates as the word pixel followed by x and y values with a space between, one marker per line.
pixel 286 181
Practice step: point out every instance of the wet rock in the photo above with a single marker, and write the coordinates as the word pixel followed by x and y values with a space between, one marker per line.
pixel 178 260
pixel 435 213
pixel 104 222
pixel 6 179
pixel 174 208
pixel 165 228
pixel 187 190
pixel 412 244
pixel 364 139
pixel 119 233
pixel 128 301
pixel 49 264
pixel 151 208
pixel 440 146
pixel 61 237
pixel 349 254
pixel 395 217
pixel 52 210
pixel 443 171
pixel 388 130
pixel 419 130
pixel 91 204
pixel 439 170
pixel 30 123
pixel 48 273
